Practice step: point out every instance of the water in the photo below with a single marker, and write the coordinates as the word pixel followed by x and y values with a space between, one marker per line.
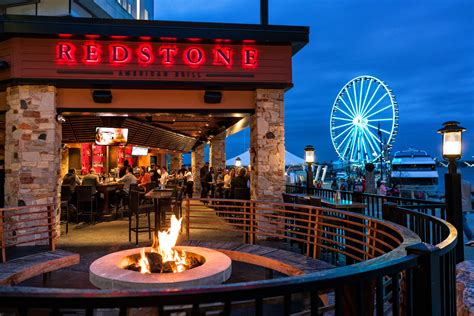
pixel 466 174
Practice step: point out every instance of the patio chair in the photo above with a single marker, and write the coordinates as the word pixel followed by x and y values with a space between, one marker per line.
pixel 137 209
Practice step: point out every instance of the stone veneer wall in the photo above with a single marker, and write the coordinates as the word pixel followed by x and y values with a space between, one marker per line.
pixel 176 161
pixel 197 162
pixel 32 146
pixel 2 137
pixel 267 146
pixel 217 152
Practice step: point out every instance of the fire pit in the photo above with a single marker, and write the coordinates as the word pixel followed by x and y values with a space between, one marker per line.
pixel 161 266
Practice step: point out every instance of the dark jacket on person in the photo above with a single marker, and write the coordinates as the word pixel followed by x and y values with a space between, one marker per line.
pixel 203 172
pixel 71 180
pixel 239 182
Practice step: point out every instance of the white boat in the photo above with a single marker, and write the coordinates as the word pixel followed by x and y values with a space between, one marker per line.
pixel 414 171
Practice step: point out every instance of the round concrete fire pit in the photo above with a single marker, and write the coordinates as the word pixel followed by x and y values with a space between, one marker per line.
pixel 107 273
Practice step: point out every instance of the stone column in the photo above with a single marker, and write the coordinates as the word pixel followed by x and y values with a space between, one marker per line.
pixel 197 162
pixel 217 152
pixel 267 146
pixel 32 146
pixel 176 161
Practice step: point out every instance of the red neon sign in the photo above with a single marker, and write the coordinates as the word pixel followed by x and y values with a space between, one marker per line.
pixel 194 55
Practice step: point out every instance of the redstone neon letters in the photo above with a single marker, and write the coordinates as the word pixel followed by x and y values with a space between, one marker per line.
pixel 194 56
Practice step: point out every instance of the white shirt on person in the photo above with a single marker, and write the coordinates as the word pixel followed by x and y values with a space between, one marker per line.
pixel 189 176
pixel 164 178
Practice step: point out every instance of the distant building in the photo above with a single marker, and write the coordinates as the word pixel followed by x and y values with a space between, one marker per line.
pixel 115 9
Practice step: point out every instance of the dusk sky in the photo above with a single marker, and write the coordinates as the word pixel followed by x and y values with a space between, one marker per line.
pixel 424 50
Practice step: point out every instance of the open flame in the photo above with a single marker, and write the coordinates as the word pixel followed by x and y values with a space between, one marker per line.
pixel 163 245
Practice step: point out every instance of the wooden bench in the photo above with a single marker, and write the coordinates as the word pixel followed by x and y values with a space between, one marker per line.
pixel 27 226
pixel 283 261
pixel 20 269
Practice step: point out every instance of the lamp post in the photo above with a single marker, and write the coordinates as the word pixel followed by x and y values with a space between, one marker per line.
pixel 309 159
pixel 452 151
pixel 238 162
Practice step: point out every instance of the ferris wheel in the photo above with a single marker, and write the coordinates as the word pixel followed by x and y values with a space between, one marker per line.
pixel 364 120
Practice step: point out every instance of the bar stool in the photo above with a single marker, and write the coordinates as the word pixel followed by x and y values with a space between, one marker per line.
pixel 135 211
pixel 65 199
pixel 85 197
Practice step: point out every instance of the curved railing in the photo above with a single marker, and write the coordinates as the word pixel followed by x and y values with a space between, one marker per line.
pixel 374 202
pixel 382 264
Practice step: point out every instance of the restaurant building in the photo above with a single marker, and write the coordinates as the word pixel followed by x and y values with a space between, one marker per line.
pixel 173 86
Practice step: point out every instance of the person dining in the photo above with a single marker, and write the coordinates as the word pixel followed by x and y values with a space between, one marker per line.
pixel 127 179
pixel 71 180
pixel 91 179
pixel 144 178
pixel 164 177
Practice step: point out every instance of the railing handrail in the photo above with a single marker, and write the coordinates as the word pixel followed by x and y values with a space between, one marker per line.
pixel 449 242
pixel 365 194
pixel 391 264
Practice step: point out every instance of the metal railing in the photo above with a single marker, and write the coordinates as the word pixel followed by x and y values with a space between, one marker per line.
pixel 383 267
pixel 374 201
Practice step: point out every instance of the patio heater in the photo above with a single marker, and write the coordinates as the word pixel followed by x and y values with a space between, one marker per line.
pixel 309 159
pixel 452 151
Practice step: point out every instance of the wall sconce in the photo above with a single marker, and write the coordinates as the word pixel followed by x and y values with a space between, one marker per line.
pixel 60 119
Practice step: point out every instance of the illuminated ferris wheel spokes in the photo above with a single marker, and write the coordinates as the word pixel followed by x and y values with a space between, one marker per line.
pixel 364 117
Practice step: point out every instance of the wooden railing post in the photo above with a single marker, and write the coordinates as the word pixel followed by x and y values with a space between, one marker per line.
pixel 389 213
pixel 311 212
pixel 317 233
pixel 2 235
pixel 426 280
pixel 252 223
pixel 52 241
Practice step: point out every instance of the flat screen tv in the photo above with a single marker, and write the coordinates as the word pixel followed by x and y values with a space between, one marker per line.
pixel 111 136
pixel 139 151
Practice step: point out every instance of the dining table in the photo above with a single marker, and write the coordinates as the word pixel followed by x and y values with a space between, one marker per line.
pixel 157 194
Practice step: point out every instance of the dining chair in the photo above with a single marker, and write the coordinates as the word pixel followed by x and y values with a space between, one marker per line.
pixel 65 200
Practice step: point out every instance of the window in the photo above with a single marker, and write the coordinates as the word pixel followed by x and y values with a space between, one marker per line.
pixel 145 14
pixel 129 8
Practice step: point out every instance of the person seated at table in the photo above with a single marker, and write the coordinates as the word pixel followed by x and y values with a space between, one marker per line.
pixel 72 180
pixel 164 177
pixel 127 179
pixel 144 178
pixel 91 179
